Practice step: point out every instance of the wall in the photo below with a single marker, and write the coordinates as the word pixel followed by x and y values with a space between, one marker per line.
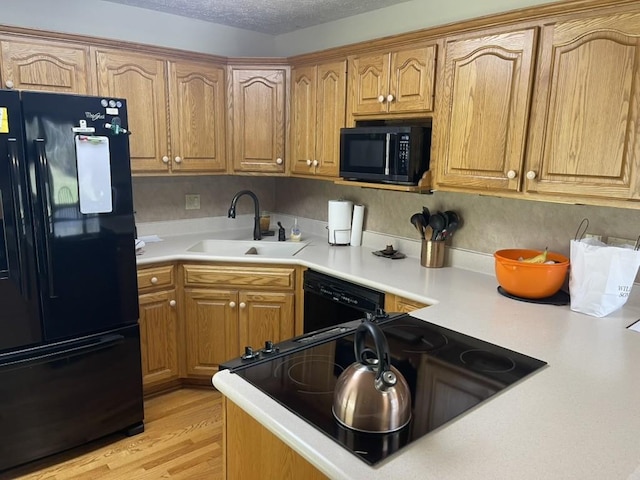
pixel 404 17
pixel 111 20
pixel 489 223
pixel 157 199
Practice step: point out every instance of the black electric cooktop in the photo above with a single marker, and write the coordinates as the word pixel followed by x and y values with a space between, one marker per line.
pixel 447 372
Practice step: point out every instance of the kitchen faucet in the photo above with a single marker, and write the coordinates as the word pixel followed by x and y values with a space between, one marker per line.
pixel 256 204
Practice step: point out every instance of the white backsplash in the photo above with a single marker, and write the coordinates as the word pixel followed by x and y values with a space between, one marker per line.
pixel 318 230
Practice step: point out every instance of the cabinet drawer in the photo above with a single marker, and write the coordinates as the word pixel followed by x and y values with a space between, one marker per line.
pixel 155 277
pixel 239 276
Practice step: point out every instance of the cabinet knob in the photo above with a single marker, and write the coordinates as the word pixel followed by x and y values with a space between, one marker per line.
pixel 390 98
pixel 9 84
pixel 232 304
pixel 243 305
pixel 165 159
pixel 381 99
pixel 172 303
pixel 316 163
pixel 511 174
pixel 531 175
pixel 154 280
pixel 177 159
pixel 308 163
pixel 279 161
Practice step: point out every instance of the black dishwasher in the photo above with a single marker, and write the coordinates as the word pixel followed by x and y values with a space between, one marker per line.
pixel 330 301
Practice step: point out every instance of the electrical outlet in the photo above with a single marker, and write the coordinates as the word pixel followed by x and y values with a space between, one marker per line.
pixel 192 202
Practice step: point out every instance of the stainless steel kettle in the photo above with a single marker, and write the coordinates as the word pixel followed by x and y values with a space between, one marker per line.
pixel 371 395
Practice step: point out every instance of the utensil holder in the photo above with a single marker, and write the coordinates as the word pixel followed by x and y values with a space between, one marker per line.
pixel 432 253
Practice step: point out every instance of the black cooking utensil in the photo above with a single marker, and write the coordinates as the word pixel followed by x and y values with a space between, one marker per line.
pixel 418 222
pixel 438 222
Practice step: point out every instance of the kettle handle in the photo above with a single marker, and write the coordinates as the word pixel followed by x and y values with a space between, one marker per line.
pixel 380 341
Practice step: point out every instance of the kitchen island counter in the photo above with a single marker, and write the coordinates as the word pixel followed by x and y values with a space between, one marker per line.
pixel 575 418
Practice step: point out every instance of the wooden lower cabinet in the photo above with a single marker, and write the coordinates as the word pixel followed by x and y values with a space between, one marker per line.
pixel 396 303
pixel 254 452
pixel 158 328
pixel 211 330
pixel 228 307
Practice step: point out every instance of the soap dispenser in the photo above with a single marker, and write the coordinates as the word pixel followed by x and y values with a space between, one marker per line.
pixel 281 233
pixel 295 231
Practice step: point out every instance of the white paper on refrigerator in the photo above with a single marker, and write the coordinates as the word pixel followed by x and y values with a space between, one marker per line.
pixel 94 174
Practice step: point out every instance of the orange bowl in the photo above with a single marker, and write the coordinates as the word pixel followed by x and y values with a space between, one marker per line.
pixel 530 280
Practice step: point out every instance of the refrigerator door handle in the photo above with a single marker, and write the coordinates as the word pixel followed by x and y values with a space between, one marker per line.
pixel 29 358
pixel 42 169
pixel 18 207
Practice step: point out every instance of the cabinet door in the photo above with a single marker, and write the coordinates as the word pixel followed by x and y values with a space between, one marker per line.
pixel 303 120
pixel 43 65
pixel 368 80
pixel 258 111
pixel 197 116
pixel 330 116
pixel 140 79
pixel 585 133
pixel 211 329
pixel 265 455
pixel 158 337
pixel 265 316
pixel 483 110
pixel 411 80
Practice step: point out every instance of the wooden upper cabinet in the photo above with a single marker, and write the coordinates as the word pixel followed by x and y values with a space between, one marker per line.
pixel 197 117
pixel 31 64
pixel 303 119
pixel 318 113
pixel 397 82
pixel 482 111
pixel 140 79
pixel 257 99
pixel 585 127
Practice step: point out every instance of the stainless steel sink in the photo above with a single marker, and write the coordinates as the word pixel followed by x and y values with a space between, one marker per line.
pixel 241 248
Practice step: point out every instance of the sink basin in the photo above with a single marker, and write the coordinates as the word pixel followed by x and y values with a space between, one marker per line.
pixel 241 248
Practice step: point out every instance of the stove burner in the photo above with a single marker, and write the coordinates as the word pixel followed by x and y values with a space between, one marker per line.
pixel 309 373
pixel 303 374
pixel 487 362
pixel 415 338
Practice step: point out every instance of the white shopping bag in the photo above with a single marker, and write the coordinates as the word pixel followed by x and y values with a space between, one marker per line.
pixel 601 276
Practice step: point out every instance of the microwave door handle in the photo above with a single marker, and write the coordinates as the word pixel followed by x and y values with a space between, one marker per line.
pixel 387 153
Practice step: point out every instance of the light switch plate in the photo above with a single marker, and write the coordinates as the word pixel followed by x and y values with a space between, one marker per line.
pixel 192 202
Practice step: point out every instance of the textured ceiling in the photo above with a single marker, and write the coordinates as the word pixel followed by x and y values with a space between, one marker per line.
pixel 266 16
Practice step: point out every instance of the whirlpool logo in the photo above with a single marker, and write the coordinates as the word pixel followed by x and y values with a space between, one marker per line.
pixel 94 116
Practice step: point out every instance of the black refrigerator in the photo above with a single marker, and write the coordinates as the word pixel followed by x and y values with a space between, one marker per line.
pixel 70 368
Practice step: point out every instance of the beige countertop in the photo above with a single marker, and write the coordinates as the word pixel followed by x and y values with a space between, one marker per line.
pixel 577 418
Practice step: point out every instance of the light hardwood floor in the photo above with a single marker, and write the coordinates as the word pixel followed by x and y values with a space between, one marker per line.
pixel 182 440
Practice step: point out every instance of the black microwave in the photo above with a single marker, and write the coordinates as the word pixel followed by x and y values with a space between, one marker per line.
pixel 386 154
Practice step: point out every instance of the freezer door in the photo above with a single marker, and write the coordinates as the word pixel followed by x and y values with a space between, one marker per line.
pixel 63 395
pixel 19 313
pixel 83 212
